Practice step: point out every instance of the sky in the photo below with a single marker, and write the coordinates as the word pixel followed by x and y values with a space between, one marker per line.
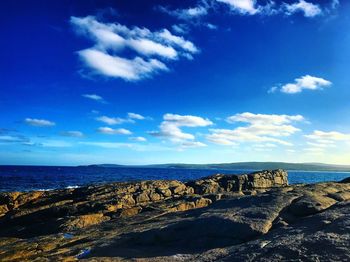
pixel 149 82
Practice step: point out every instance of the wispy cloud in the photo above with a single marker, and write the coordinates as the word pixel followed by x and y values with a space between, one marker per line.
pixel 305 82
pixel 180 28
pixel 246 7
pixel 307 8
pixel 135 116
pixel 11 139
pixel 72 133
pixel 94 97
pixel 170 128
pixel 111 131
pixel 327 139
pixel 138 139
pixel 262 119
pixel 320 142
pixel 39 122
pixel 113 120
pixel 186 13
pixel 261 128
pixel 107 57
pixel 130 118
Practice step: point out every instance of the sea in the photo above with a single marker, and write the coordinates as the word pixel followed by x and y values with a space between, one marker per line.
pixel 27 178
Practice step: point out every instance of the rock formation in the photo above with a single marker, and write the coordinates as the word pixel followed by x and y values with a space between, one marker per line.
pixel 253 217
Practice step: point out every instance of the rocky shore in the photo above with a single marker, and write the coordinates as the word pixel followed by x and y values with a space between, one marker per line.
pixel 253 217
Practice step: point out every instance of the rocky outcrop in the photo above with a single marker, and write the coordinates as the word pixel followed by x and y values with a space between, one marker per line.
pixel 238 183
pixel 221 217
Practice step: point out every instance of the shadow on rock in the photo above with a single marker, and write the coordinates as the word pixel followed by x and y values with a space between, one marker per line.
pixel 184 237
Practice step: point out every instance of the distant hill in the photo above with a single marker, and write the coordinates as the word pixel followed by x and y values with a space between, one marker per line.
pixel 246 165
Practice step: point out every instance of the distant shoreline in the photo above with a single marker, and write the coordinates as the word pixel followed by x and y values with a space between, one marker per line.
pixel 249 166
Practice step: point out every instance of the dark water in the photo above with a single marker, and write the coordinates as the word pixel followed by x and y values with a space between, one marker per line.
pixel 25 178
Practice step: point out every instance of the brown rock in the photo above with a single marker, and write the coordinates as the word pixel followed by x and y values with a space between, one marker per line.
pixel 3 210
pixel 202 202
pixel 155 196
pixel 179 189
pixel 85 221
pixel 130 211
pixel 310 204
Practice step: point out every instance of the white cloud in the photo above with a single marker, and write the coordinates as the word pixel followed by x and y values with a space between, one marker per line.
pixel 264 119
pixel 211 26
pixel 304 82
pixel 335 4
pixel 186 120
pixel 321 142
pixel 309 9
pixel 138 139
pixel 72 134
pixel 112 120
pixel 179 41
pixel 191 144
pixel 94 97
pixel 107 57
pixel 186 14
pixel 245 7
pixel 131 117
pixel 39 122
pixel 170 128
pixel 242 6
pixel 116 66
pixel 111 131
pixel 327 139
pixel 261 128
pixel 135 116
pixel 180 28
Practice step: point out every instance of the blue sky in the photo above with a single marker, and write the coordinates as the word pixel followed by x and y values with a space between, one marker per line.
pixel 143 82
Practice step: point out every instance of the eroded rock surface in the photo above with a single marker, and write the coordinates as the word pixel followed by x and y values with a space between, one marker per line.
pixel 253 217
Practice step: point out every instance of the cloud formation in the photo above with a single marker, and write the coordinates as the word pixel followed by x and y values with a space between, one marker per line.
pixel 322 139
pixel 131 117
pixel 94 97
pixel 111 131
pixel 308 9
pixel 261 128
pixel 39 122
pixel 138 139
pixel 135 116
pixel 242 6
pixel 151 50
pixel 111 120
pixel 302 83
pixel 246 7
pixel 170 129
pixel 72 134
pixel 186 13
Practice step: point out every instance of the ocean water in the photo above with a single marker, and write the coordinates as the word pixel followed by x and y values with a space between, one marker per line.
pixel 26 178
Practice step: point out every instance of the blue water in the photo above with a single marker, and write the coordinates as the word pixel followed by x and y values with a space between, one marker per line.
pixel 25 178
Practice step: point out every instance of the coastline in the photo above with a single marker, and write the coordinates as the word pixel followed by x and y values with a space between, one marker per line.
pixel 241 216
pixel 45 178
